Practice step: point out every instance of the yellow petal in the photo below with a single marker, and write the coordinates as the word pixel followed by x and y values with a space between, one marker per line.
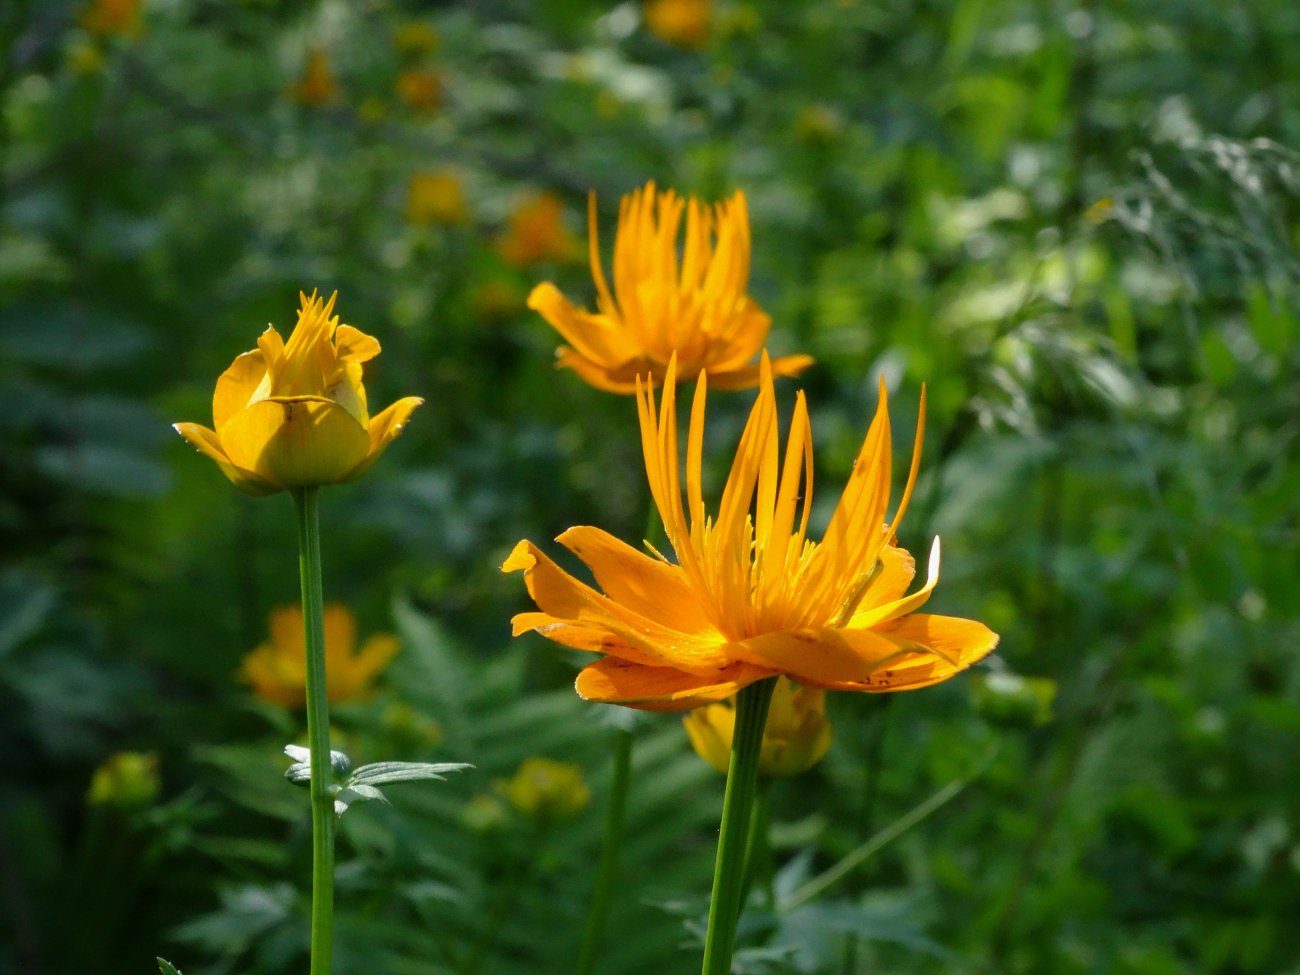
pixel 353 345
pixel 384 429
pixel 643 584
pixel 612 681
pixel 746 377
pixel 580 636
pixel 299 442
pixel 374 656
pixel 340 634
pixel 594 374
pixel 237 385
pixel 820 655
pixel 711 729
pixel 955 644
pixel 287 633
pixel 881 613
pixel 205 441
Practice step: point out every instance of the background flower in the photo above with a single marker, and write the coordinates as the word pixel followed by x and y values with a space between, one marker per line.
pixel 795 738
pixel 277 669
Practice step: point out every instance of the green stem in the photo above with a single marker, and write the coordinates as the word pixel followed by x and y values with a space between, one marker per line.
pixel 611 846
pixel 737 803
pixel 306 502
pixel 758 849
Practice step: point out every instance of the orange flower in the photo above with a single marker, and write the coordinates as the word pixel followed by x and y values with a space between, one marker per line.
pixel 681 22
pixel 750 595
pixel 108 17
pixel 537 233
pixel 436 197
pixel 317 85
pixel 277 669
pixel 695 309
pixel 293 414
pixel 420 88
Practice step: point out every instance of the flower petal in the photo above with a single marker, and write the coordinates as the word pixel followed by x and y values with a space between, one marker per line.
pixel 593 373
pixel 206 442
pixel 237 385
pixel 574 611
pixel 870 616
pixel 353 345
pixel 939 647
pixel 746 377
pixel 296 442
pixel 819 655
pixel 384 429
pixel 645 585
pixel 596 337
pixel 613 681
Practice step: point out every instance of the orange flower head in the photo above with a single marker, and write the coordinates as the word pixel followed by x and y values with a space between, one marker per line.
pixel 749 596
pixel 684 23
pixel 421 89
pixel 536 233
pixel 317 85
pixel 436 198
pixel 695 308
pixel 277 669
pixel 293 414
pixel 109 17
pixel 796 737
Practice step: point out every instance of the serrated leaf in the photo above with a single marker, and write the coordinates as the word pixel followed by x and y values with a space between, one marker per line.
pixel 345 797
pixel 167 968
pixel 383 773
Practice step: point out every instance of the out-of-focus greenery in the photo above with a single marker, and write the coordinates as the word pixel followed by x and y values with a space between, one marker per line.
pixel 1075 222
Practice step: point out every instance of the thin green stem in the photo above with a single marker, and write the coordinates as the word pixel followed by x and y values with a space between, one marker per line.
pixel 611 846
pixel 758 849
pixel 318 731
pixel 733 838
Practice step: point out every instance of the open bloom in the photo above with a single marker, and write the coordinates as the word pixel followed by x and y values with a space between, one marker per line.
pixel 277 669
pixel 695 309
pixel 750 595
pixel 293 414
pixel 536 233
pixel 684 23
pixel 795 738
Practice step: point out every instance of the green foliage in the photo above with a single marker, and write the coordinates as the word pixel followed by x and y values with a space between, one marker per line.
pixel 1075 223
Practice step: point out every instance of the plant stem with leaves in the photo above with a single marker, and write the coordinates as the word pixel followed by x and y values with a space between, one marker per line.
pixel 306 502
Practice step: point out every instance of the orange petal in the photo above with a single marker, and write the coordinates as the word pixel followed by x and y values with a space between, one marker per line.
pixel 205 441
pixel 384 429
pixel 746 377
pixel 237 386
pixel 940 646
pixel 340 633
pixel 579 636
pixel 594 336
pixel 298 442
pixel 570 603
pixel 820 655
pixel 593 373
pixel 612 681
pixel 873 616
pixel 645 585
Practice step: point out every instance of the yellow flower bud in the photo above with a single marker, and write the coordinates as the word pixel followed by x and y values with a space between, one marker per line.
pixel 125 780
pixel 545 789
pixel 294 414
pixel 795 739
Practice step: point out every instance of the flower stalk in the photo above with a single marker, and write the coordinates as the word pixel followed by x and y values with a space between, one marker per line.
pixel 733 839
pixel 306 502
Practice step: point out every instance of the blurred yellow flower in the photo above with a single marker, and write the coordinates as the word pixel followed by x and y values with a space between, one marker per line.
pixel 795 738
pixel 291 415
pixel 109 17
pixel 684 23
pixel 696 309
pixel 750 595
pixel 125 780
pixel 421 88
pixel 436 198
pixel 317 85
pixel 536 233
pixel 415 38
pixel 545 789
pixel 277 669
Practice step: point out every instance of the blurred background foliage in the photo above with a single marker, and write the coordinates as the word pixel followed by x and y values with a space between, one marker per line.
pixel 1074 221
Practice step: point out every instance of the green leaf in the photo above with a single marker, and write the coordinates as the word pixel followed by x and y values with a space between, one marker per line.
pixel 383 773
pixel 167 968
pixel 346 796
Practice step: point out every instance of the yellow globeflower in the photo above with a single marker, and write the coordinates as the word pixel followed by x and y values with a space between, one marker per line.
pixel 695 308
pixel 436 198
pixel 536 233
pixel 277 669
pixel 795 738
pixel 125 780
pixel 546 789
pixel 293 414
pixel 681 22
pixel 750 595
